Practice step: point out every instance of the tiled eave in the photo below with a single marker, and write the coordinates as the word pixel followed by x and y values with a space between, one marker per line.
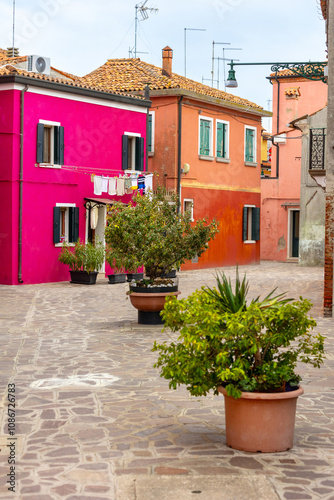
pixel 72 89
pixel 210 100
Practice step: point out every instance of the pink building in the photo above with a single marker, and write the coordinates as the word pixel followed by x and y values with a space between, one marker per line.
pixel 54 136
pixel 293 97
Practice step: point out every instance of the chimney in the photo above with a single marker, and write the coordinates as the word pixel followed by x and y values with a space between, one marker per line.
pixel 167 56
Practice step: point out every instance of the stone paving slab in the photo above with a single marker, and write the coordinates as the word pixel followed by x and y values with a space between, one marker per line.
pixel 195 488
pixel 92 410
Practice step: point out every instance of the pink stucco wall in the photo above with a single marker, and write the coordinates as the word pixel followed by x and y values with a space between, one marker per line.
pixel 93 144
pixel 275 192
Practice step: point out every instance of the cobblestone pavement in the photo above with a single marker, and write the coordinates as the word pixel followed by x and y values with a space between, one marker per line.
pixel 91 411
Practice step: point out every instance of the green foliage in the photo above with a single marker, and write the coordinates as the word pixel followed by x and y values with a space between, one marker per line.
pixel 83 256
pixel 149 232
pixel 222 341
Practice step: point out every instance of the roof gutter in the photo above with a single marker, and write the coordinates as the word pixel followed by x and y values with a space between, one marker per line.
pixel 19 274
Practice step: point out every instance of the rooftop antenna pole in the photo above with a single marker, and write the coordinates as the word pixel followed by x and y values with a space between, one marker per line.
pixel 144 13
pixel 13 27
pixel 185 45
pixel 213 57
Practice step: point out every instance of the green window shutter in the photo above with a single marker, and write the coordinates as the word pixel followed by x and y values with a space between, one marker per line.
pixel 205 127
pixel 125 151
pixel 58 145
pixel 56 224
pixel 73 220
pixel 150 132
pixel 255 224
pixel 40 143
pixel 244 223
pixel 249 156
pixel 139 154
pixel 221 140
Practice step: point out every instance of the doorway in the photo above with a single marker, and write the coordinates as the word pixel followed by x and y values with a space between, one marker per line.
pixel 294 233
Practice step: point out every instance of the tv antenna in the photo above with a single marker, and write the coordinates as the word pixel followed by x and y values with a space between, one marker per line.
pixel 144 12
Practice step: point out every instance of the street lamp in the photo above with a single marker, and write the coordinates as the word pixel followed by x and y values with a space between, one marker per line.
pixel 309 70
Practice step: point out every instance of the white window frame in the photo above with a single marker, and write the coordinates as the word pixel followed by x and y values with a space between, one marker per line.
pixel 132 136
pixel 210 156
pixel 191 209
pixel 249 224
pixel 152 113
pixel 65 240
pixel 227 158
pixel 254 162
pixel 50 124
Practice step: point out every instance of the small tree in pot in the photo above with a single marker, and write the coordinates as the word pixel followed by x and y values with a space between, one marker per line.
pixel 247 352
pixel 152 234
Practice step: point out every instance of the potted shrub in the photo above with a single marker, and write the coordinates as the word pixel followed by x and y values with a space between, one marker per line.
pixel 84 260
pixel 154 235
pixel 247 352
pixel 119 275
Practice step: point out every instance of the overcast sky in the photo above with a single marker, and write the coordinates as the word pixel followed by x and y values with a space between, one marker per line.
pixel 80 35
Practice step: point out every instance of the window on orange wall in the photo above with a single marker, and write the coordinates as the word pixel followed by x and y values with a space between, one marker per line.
pixel 251 224
pixel 250 145
pixel 188 206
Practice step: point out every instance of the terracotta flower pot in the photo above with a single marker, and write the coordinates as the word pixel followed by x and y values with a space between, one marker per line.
pixel 261 422
pixel 149 305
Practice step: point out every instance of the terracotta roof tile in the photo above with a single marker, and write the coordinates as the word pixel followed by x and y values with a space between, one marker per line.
pixel 8 66
pixel 324 8
pixel 132 75
pixel 292 92
pixel 9 69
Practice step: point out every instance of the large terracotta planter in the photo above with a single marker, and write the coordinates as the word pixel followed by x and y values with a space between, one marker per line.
pixel 261 422
pixel 149 304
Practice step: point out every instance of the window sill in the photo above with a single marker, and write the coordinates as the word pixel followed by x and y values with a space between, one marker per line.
pixel 249 241
pixel 206 157
pixel 59 245
pixel 222 160
pixel 250 164
pixel 150 153
pixel 47 165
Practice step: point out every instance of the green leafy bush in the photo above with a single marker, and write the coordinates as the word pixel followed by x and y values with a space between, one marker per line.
pixel 83 256
pixel 245 348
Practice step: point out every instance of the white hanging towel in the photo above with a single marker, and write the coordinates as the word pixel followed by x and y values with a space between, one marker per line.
pixel 104 187
pixel 120 187
pixel 112 186
pixel 149 182
pixel 94 217
pixel 97 185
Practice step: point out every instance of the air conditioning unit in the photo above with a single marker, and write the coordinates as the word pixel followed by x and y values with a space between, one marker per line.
pixel 39 64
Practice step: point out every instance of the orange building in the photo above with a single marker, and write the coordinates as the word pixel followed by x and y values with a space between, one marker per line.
pixel 203 143
pixel 293 97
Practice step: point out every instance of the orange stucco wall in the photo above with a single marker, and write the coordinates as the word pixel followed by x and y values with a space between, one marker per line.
pixel 280 195
pixel 218 189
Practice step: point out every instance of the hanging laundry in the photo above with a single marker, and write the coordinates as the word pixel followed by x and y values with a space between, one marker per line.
pixel 141 183
pixel 134 182
pixel 97 185
pixel 149 182
pixel 94 217
pixel 104 187
pixel 127 183
pixel 112 186
pixel 120 187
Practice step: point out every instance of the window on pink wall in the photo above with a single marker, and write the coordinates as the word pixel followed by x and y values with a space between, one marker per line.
pixel 50 144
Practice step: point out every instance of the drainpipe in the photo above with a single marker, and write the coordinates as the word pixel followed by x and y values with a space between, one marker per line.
pixel 277 130
pixel 179 153
pixel 147 97
pixel 19 276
